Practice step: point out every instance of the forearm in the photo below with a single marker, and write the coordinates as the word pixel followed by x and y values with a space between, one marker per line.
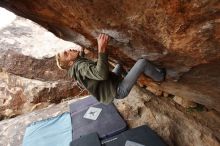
pixel 102 65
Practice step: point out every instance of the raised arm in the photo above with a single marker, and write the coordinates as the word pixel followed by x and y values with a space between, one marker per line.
pixel 100 71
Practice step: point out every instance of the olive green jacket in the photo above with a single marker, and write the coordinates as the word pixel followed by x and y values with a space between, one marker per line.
pixel 96 77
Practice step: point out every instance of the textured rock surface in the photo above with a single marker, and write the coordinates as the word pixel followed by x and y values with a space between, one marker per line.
pixel 12 130
pixel 19 95
pixel 27 50
pixel 182 36
pixel 24 51
pixel 28 38
pixel 176 126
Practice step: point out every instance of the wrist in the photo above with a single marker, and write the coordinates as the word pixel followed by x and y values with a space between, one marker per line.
pixel 101 50
pixel 102 55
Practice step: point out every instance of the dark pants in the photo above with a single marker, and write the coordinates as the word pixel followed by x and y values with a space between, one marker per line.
pixel 141 66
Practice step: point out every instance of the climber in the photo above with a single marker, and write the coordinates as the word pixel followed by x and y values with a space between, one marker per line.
pixel 96 77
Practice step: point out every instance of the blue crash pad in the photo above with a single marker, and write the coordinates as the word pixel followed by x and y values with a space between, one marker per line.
pixel 56 131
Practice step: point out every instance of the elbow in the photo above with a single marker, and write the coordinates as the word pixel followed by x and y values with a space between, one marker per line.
pixel 104 76
pixel 103 73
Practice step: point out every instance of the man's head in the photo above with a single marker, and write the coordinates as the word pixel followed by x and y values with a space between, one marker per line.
pixel 66 59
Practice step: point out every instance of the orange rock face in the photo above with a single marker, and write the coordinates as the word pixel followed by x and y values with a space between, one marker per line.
pixel 182 36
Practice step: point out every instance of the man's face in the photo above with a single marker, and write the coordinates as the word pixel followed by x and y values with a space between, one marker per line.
pixel 69 55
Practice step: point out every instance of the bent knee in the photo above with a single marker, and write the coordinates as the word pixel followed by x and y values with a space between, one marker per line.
pixel 142 62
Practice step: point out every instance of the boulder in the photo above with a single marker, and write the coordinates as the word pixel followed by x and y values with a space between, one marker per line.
pixel 181 36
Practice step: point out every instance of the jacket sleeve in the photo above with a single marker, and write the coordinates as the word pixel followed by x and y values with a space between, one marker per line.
pixel 99 71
